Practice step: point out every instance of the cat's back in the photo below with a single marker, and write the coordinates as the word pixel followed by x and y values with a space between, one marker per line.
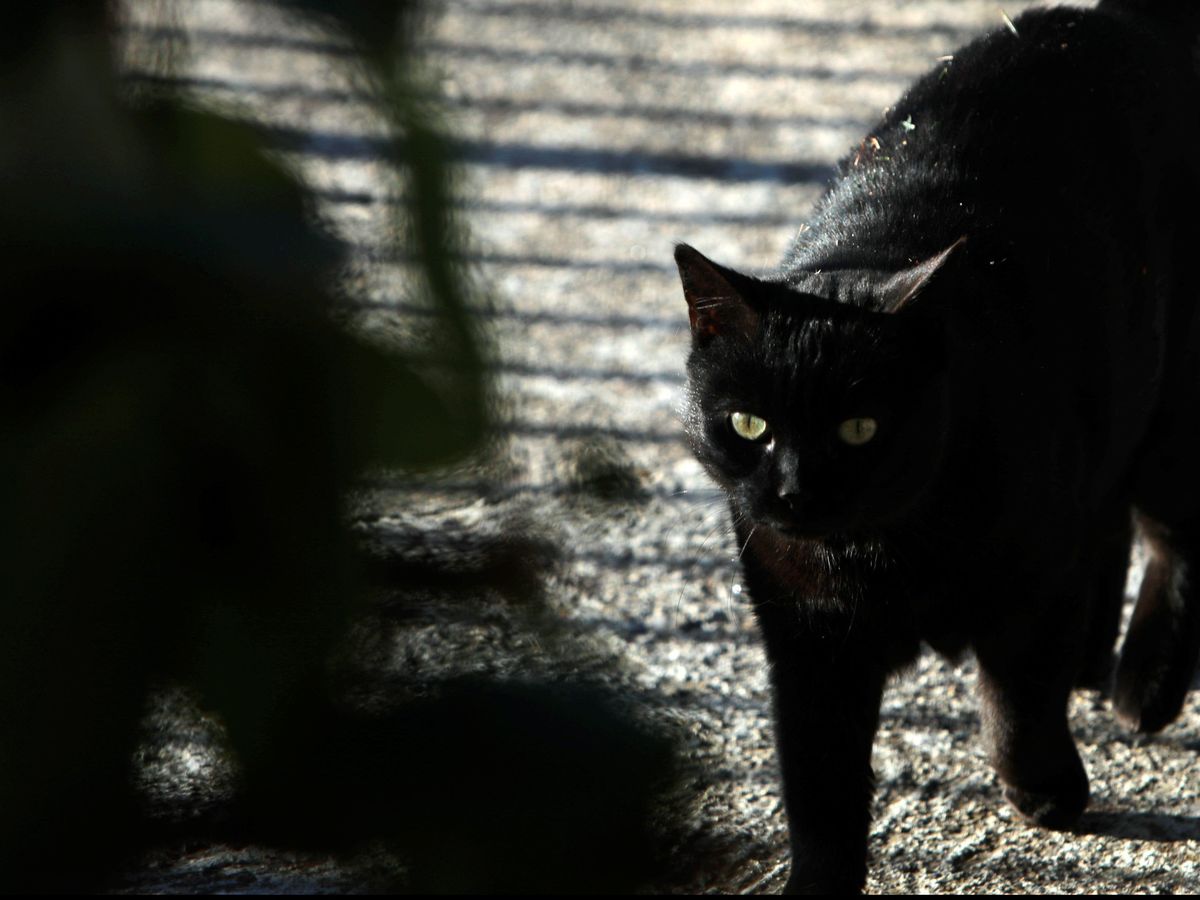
pixel 1068 117
pixel 1062 98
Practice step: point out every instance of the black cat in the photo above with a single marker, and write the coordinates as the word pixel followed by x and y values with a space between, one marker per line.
pixel 936 421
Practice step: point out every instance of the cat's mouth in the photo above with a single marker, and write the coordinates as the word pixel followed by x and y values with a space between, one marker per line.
pixel 807 532
pixel 814 522
pixel 814 525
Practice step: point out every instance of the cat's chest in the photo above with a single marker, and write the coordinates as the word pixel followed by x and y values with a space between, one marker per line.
pixel 833 577
pixel 904 593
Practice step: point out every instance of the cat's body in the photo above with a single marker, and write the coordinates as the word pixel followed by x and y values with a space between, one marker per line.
pixel 934 421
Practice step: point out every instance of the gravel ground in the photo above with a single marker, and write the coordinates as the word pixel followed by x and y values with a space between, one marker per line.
pixel 596 135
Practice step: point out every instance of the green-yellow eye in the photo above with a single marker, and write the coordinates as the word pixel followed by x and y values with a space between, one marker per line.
pixel 857 432
pixel 747 426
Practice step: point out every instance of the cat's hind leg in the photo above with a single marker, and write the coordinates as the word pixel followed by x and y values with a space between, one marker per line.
pixel 1158 657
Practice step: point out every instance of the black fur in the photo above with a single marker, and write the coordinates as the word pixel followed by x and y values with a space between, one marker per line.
pixel 1002 278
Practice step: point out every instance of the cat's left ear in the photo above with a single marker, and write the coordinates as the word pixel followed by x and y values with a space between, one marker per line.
pixel 719 299
pixel 902 289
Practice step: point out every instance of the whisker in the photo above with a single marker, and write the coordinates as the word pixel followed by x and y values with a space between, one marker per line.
pixel 730 593
pixel 707 538
pixel 753 528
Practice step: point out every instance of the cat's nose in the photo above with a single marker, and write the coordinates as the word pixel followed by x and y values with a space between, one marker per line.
pixel 787 477
pixel 793 498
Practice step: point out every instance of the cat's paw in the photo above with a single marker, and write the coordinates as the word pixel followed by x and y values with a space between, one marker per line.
pixel 802 883
pixel 1153 678
pixel 1148 705
pixel 821 876
pixel 1058 805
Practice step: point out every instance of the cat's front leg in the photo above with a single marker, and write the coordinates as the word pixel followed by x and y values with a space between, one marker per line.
pixel 828 681
pixel 1026 671
pixel 826 716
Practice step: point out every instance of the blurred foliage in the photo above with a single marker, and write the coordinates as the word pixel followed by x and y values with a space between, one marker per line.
pixel 181 423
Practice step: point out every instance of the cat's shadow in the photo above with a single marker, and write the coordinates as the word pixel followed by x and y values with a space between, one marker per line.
pixel 1135 826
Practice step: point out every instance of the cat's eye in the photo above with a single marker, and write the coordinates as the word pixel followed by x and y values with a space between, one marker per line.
pixel 748 426
pixel 857 432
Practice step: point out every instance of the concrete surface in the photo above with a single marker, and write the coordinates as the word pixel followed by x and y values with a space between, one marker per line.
pixel 595 135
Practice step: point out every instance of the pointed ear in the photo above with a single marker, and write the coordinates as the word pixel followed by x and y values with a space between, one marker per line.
pixel 716 296
pixel 901 289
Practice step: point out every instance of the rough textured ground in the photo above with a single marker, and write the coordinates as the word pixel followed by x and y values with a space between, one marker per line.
pixel 594 136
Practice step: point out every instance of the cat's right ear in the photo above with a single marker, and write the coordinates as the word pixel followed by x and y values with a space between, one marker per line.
pixel 902 289
pixel 716 297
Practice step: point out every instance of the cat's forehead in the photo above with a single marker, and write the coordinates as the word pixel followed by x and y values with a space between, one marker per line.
pixel 807 322
pixel 826 349
pixel 823 313
pixel 850 289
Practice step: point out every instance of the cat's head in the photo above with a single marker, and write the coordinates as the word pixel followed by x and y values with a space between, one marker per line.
pixel 820 405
